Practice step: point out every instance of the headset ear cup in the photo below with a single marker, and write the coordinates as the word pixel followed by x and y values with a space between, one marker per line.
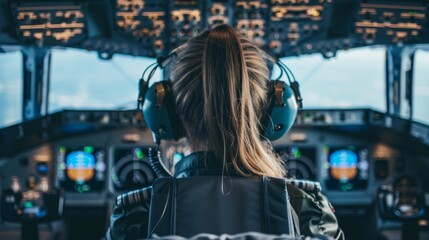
pixel 281 110
pixel 266 111
pixel 159 110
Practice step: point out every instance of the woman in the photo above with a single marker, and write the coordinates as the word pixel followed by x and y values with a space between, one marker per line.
pixel 220 84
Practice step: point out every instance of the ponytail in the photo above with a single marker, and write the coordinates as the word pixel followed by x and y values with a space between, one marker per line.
pixel 220 82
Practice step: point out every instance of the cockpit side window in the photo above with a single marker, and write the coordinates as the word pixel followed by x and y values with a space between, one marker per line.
pixel 10 88
pixel 421 86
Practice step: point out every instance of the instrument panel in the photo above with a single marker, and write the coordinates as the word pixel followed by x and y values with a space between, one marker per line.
pixel 153 28
pixel 88 158
pixel 85 169
pixel 338 168
pixel 338 148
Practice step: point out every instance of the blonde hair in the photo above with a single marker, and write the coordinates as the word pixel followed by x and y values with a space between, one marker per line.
pixel 220 83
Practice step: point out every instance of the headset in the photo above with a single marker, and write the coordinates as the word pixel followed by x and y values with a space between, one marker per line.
pixel 159 110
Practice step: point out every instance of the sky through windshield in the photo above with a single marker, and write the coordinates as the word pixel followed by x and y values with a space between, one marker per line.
pixel 80 80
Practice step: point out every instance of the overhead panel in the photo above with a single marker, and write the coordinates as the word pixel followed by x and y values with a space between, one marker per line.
pixel 45 23
pixel 142 22
pixel 387 23
pixel 250 19
pixel 219 13
pixel 185 20
pixel 153 28
pixel 294 23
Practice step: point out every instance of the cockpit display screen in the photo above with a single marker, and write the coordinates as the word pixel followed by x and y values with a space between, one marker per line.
pixel 131 169
pixel 300 162
pixel 345 168
pixel 81 169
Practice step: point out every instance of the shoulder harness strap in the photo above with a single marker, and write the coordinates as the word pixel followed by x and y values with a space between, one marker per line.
pixel 306 185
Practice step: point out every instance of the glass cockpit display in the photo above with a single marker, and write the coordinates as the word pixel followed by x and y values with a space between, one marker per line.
pixel 131 169
pixel 300 161
pixel 345 168
pixel 81 169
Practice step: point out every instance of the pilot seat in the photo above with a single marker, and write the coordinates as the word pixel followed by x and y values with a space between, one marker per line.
pixel 220 205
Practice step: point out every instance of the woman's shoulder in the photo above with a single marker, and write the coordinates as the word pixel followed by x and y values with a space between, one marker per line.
pixel 315 212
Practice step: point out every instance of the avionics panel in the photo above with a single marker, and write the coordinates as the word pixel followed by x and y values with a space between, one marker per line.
pixel 81 169
pixel 345 168
pixel 130 168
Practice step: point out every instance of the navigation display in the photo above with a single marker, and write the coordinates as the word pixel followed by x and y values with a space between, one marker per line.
pixel 81 169
pixel 345 168
pixel 300 161
pixel 131 169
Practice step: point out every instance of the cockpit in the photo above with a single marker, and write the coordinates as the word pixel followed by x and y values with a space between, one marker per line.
pixel 72 140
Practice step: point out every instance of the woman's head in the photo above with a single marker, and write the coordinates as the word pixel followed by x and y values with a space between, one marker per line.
pixel 220 83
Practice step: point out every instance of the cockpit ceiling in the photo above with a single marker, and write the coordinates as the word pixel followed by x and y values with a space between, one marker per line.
pixel 154 27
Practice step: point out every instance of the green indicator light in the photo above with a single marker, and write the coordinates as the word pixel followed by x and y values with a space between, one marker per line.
pixel 325 149
pixel 139 154
pixel 88 149
pixel 28 204
pixel 297 153
pixel 62 149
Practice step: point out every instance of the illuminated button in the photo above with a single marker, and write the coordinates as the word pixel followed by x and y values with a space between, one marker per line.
pixel 313 12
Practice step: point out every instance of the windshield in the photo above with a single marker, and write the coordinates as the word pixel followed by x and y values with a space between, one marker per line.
pixel 353 79
pixel 80 80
